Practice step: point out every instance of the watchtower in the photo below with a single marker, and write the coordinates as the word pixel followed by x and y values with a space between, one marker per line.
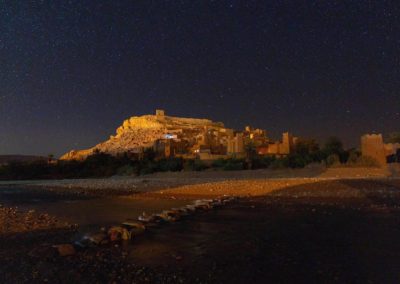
pixel 160 112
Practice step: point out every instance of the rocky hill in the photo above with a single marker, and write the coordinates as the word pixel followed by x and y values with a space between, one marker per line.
pixel 139 132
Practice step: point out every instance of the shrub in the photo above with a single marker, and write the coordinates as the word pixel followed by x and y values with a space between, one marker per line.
pixel 194 165
pixel 220 163
pixel 333 146
pixel 234 165
pixel 333 160
pixel 188 165
pixel 278 164
pixel 307 147
pixel 170 165
pixel 148 168
pixel 126 170
pixel 149 154
pixel 297 161
pixel 199 165
pixel 263 162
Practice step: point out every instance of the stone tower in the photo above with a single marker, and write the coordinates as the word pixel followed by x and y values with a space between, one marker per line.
pixel 287 143
pixel 372 145
pixel 160 112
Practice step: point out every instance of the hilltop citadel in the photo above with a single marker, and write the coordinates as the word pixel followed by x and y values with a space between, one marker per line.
pixel 172 136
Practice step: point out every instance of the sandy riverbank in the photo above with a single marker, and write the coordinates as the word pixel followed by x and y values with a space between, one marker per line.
pixel 167 180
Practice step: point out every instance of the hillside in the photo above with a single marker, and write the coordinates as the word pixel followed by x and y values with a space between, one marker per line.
pixel 139 132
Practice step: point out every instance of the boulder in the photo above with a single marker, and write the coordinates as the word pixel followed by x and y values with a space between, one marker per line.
pixel 118 233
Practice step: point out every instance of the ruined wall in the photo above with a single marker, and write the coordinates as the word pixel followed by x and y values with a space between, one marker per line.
pixel 273 148
pixel 280 148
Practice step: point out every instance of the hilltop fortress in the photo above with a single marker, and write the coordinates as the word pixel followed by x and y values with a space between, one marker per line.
pixel 172 136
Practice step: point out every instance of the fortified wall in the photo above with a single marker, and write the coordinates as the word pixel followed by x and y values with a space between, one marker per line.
pixel 372 145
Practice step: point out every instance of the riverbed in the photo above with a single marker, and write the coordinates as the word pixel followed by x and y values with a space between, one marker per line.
pixel 88 212
pixel 324 231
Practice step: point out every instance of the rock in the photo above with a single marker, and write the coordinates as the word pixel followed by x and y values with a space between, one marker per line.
pixel 126 235
pixel 65 249
pixel 132 224
pixel 134 228
pixel 118 233
pixel 97 239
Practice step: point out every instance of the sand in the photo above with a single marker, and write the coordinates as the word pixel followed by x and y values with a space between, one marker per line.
pixel 262 181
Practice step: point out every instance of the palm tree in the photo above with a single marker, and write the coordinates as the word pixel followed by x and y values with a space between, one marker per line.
pixel 251 153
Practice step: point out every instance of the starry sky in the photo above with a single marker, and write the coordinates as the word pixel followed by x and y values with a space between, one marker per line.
pixel 72 71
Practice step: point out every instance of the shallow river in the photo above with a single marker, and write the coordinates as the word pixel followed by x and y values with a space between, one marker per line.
pixel 88 213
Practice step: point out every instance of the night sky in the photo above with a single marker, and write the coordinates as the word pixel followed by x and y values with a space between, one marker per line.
pixel 72 71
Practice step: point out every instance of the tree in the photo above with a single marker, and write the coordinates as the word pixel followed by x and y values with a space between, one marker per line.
pixel 251 153
pixel 306 146
pixel 100 164
pixel 333 146
pixel 308 150
pixel 354 156
pixel 149 154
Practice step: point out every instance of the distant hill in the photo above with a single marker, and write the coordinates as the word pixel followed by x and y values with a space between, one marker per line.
pixel 4 159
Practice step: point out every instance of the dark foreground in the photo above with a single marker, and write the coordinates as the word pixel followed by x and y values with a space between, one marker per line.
pixel 330 232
